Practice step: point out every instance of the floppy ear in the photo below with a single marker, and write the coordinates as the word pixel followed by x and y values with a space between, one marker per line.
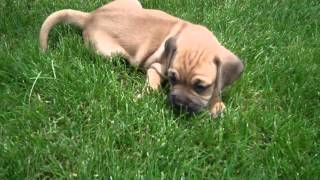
pixel 229 68
pixel 169 51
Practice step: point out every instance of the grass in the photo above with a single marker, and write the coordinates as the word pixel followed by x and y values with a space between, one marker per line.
pixel 70 113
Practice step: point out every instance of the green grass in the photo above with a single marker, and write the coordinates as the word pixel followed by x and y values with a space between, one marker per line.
pixel 69 113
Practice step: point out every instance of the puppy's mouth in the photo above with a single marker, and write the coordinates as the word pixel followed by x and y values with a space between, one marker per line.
pixel 183 104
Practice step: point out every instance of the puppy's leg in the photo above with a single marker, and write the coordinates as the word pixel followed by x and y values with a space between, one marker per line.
pixel 124 4
pixel 155 76
pixel 216 106
pixel 103 43
pixel 133 3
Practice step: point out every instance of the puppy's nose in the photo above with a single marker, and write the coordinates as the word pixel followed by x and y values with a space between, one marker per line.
pixel 182 102
pixel 192 108
pixel 176 100
pixel 173 96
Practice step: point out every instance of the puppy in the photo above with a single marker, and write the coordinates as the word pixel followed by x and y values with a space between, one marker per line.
pixel 196 65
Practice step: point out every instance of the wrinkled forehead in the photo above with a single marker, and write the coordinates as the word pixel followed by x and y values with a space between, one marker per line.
pixel 191 68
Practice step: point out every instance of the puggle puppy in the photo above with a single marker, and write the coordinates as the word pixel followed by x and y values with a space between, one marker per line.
pixel 196 65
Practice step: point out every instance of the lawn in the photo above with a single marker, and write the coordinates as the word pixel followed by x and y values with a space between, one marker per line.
pixel 71 114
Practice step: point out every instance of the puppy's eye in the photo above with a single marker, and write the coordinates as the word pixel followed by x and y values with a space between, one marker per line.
pixel 200 88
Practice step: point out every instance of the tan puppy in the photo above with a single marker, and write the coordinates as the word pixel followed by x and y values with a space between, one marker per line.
pixel 189 55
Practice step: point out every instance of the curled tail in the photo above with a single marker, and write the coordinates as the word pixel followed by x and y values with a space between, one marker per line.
pixel 77 18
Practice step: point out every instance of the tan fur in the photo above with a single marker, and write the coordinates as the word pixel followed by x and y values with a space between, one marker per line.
pixel 68 15
pixel 159 43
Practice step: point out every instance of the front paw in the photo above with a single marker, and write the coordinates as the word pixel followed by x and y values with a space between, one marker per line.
pixel 217 109
pixel 154 79
pixel 153 84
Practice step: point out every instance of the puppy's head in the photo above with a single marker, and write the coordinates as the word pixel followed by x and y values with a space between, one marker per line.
pixel 198 73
